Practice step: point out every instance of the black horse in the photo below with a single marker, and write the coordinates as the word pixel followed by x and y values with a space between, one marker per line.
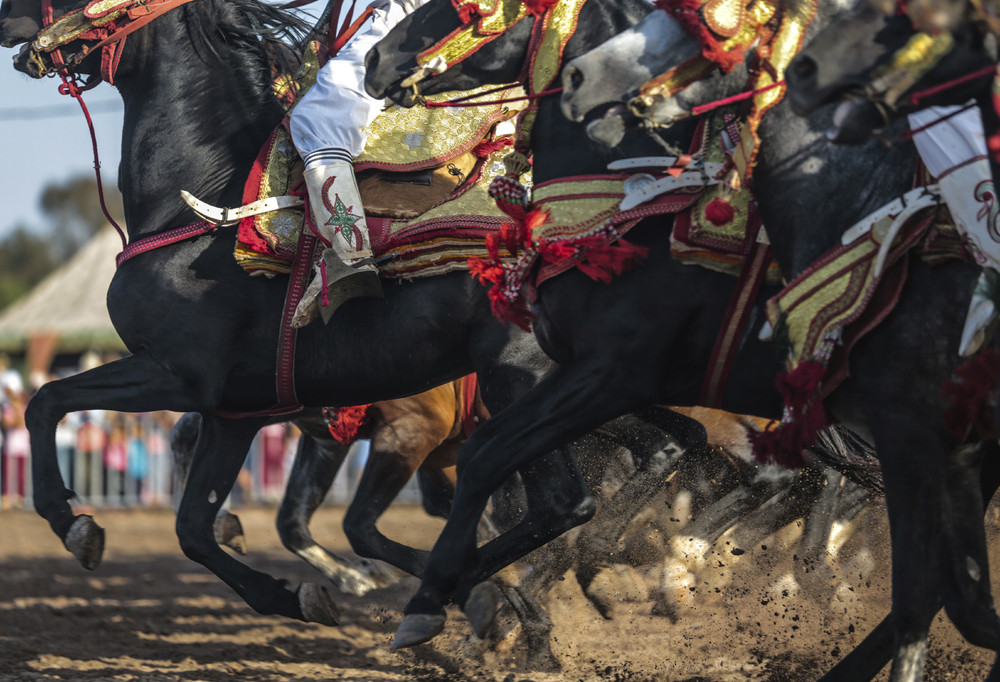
pixel 646 337
pixel 196 84
pixel 839 62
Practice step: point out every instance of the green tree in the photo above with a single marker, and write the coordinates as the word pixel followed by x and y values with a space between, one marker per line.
pixel 73 208
pixel 73 211
pixel 25 259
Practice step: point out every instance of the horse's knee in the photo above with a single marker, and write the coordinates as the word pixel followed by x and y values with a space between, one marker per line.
pixel 41 411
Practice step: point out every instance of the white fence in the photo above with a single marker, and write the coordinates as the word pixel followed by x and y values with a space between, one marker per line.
pixel 116 460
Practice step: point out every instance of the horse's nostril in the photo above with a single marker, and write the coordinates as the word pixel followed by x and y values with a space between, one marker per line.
pixel 576 78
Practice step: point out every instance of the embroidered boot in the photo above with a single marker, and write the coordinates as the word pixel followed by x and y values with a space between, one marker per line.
pixel 345 269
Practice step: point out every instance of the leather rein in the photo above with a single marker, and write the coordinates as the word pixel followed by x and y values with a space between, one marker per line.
pixel 109 22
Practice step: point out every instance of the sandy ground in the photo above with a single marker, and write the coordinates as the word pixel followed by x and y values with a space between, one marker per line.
pixel 148 614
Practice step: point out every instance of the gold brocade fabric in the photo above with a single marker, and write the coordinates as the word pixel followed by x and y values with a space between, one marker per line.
pixel 403 139
pixel 815 307
pixel 577 209
pixel 560 24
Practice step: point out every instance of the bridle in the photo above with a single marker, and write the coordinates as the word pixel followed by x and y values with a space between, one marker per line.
pixel 109 22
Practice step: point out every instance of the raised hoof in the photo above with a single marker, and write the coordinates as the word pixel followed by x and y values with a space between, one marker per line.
pixel 417 628
pixel 85 540
pixel 317 605
pixel 481 607
pixel 229 532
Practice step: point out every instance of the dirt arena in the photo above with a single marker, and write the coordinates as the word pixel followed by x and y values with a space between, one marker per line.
pixel 148 614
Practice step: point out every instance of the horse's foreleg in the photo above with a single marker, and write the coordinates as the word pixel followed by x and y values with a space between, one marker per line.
pixel 565 405
pixel 221 450
pixel 914 457
pixel 133 384
pixel 313 471
pixel 558 499
pixel 390 465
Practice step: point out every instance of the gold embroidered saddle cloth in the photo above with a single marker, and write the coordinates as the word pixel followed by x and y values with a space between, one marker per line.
pixel 423 178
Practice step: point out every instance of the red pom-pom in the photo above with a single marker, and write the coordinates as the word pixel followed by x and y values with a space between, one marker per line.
pixel 719 211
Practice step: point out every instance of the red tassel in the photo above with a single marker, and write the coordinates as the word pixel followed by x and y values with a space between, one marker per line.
pixel 487 147
pixel 344 423
pixel 719 211
pixel 805 417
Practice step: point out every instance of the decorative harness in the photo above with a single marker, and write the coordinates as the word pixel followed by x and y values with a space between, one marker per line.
pixel 107 21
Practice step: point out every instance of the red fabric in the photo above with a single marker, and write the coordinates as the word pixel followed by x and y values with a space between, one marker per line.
pixel 783 444
pixel 344 423
pixel 971 397
pixel 470 390
pixel 539 7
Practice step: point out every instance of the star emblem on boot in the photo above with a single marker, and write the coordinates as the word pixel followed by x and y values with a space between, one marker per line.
pixel 342 219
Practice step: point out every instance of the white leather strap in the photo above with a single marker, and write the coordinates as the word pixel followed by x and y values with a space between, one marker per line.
pixel 231 216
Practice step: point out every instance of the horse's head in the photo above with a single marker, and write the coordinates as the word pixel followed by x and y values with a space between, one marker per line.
pixel 435 50
pixel 22 22
pixel 875 64
pixel 462 44
pixel 680 58
pixel 617 69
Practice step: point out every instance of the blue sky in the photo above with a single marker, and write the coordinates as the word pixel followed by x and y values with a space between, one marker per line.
pixel 45 138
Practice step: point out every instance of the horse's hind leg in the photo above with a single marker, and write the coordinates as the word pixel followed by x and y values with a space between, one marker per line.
pixel 222 448
pixel 183 441
pixel 315 466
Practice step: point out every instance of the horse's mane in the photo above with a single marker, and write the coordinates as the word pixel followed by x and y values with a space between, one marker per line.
pixel 267 33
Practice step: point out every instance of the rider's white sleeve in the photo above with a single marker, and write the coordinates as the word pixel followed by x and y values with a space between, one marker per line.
pixel 327 123
pixel 954 151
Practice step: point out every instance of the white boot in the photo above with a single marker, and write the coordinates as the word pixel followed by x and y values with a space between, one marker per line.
pixel 345 269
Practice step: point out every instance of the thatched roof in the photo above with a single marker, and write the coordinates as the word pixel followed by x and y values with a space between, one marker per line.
pixel 71 303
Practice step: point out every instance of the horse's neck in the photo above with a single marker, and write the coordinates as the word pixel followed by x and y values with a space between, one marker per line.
pixel 810 191
pixel 192 121
pixel 562 148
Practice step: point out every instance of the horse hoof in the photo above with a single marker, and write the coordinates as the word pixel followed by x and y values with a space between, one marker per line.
pixel 229 532
pixel 317 605
pixel 417 628
pixel 481 607
pixel 366 575
pixel 85 540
